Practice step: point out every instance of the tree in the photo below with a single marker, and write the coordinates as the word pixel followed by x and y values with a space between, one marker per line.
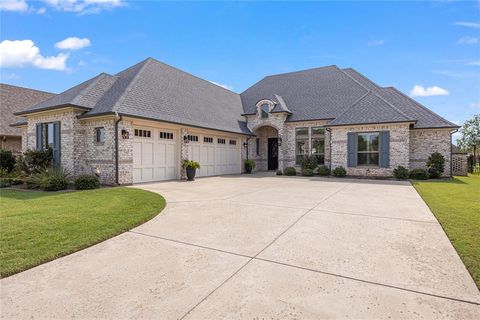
pixel 470 133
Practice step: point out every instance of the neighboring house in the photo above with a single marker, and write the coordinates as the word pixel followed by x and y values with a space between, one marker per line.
pixel 137 125
pixel 14 99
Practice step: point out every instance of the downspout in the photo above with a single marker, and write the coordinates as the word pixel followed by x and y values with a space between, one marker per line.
pixel 451 155
pixel 330 143
pixel 119 118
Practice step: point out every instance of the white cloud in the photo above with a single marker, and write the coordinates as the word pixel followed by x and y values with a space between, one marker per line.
pixel 41 10
pixel 21 53
pixel 420 91
pixel 467 40
pixel 84 6
pixel 13 5
pixel 225 86
pixel 475 105
pixel 474 63
pixel 376 42
pixel 72 43
pixel 467 24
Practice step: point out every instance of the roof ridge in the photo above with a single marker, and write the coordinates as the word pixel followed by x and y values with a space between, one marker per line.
pixel 300 71
pixel 94 82
pixel 361 75
pixel 192 75
pixel 355 80
pixel 349 108
pixel 398 92
pixel 394 107
pixel 11 85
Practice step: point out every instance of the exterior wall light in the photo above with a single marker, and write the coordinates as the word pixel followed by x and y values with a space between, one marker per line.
pixel 125 134
pixel 185 139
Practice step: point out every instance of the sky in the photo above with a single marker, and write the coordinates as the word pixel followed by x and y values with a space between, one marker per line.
pixel 429 50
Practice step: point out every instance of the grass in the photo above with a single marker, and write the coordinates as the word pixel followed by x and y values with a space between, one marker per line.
pixel 456 204
pixel 37 227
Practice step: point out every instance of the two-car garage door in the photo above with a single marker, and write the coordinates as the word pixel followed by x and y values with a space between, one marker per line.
pixel 156 154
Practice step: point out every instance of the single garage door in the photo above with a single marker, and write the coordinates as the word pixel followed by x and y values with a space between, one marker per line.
pixel 216 155
pixel 154 155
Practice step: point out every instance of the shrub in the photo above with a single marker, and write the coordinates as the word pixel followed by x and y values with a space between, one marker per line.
pixel 7 160
pixel 307 172
pixel 34 161
pixel 339 172
pixel 279 172
pixel 85 182
pixel 435 165
pixel 309 162
pixel 401 172
pixel 323 171
pixel 249 165
pixel 419 174
pixel 290 171
pixel 51 179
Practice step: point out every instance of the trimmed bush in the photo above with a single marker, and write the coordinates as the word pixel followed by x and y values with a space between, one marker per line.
pixel 85 182
pixel 7 160
pixel 51 179
pixel 401 173
pixel 34 161
pixel 435 165
pixel 249 165
pixel 339 172
pixel 309 162
pixel 419 174
pixel 323 171
pixel 290 171
pixel 307 172
pixel 279 172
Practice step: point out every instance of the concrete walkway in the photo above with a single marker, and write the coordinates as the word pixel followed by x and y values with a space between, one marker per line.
pixel 261 247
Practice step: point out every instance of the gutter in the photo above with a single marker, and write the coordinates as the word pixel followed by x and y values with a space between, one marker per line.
pixel 330 143
pixel 119 118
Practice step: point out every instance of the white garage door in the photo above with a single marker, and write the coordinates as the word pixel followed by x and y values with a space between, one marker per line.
pixel 154 154
pixel 216 155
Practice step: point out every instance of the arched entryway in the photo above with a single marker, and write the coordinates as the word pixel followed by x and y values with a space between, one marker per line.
pixel 266 151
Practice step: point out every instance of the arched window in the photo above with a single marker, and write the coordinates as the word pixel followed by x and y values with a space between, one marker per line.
pixel 264 109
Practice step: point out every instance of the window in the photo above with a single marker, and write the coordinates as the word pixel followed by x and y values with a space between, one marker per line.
pixel 301 144
pixel 265 108
pixel 142 133
pixel 318 144
pixel 257 146
pixel 48 137
pixel 166 135
pixel 367 149
pixel 233 142
pixel 208 139
pixel 100 135
pixel 220 141
pixel 192 138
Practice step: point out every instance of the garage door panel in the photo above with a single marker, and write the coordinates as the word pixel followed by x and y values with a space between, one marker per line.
pixel 170 155
pixel 147 153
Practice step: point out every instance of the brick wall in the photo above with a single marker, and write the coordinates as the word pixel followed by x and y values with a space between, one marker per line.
pixel 459 164
pixel 11 143
pixel 424 142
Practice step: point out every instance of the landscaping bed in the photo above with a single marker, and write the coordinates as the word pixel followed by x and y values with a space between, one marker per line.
pixel 456 204
pixel 40 226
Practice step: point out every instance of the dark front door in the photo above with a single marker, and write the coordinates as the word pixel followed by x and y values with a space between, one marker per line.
pixel 272 153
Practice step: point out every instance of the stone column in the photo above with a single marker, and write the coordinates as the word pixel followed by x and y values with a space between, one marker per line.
pixel 184 151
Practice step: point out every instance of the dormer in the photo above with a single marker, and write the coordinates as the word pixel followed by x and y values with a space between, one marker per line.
pixel 264 107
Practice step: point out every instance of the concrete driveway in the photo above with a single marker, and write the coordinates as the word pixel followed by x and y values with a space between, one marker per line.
pixel 261 247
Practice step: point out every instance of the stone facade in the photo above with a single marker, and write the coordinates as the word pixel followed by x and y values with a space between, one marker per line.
pixel 399 148
pixel 424 142
pixel 11 143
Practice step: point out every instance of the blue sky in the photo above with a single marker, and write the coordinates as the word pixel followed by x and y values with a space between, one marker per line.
pixel 432 45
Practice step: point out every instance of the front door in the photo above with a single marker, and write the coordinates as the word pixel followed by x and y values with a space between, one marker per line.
pixel 272 153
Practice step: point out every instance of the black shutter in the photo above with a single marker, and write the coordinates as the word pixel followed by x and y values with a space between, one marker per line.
pixel 351 149
pixel 384 149
pixel 56 143
pixel 38 136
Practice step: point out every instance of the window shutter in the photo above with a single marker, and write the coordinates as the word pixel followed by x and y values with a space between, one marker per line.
pixel 38 136
pixel 351 149
pixel 384 149
pixel 56 143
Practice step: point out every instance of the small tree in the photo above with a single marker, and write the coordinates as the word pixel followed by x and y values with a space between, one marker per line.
pixel 470 132
pixel 436 165
pixel 309 162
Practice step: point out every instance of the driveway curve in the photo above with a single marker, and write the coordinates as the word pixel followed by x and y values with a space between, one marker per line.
pixel 261 246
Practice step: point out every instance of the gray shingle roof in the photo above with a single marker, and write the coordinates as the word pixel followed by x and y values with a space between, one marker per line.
pixel 331 93
pixel 14 99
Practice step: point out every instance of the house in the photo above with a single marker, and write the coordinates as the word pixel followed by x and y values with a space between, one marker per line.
pixel 14 99
pixel 137 125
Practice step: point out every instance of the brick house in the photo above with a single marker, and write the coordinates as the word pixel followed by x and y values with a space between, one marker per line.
pixel 137 125
pixel 14 99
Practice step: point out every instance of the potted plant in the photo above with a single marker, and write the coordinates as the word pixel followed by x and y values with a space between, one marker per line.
pixel 191 168
pixel 249 166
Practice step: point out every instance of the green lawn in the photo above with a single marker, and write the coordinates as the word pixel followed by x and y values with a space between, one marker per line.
pixel 37 227
pixel 456 204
